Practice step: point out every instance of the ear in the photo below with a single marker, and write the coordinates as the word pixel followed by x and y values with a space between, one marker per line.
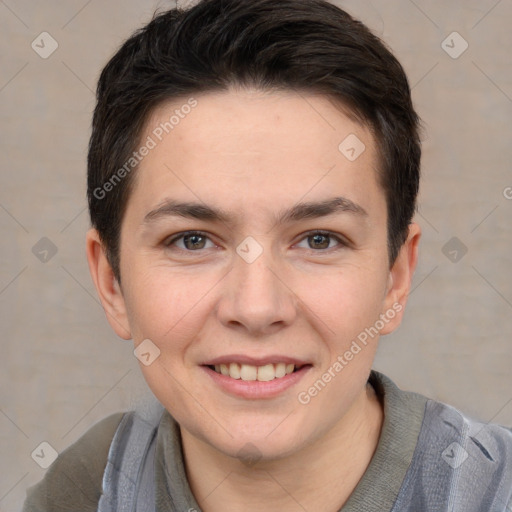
pixel 109 290
pixel 400 279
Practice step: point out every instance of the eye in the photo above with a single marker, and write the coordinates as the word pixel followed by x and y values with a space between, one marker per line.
pixel 321 240
pixel 190 241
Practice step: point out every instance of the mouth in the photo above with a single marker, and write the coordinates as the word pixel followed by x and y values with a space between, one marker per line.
pixel 264 380
pixel 248 372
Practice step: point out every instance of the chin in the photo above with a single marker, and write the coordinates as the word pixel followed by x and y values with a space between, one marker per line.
pixel 257 441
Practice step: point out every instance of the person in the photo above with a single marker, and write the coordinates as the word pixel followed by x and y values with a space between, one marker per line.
pixel 253 172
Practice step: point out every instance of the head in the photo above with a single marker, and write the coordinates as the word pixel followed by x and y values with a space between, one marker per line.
pixel 252 177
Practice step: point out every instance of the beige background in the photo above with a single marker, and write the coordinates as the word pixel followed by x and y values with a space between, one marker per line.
pixel 62 367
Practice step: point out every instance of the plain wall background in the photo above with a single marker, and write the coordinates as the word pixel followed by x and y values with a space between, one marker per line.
pixel 62 367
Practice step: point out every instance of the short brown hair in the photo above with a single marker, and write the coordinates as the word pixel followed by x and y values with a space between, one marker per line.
pixel 302 45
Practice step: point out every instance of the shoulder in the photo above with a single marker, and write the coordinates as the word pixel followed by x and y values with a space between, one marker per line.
pixel 487 445
pixel 451 458
pixel 74 481
pixel 462 460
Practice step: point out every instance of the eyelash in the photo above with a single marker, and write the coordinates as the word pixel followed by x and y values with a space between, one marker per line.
pixel 341 243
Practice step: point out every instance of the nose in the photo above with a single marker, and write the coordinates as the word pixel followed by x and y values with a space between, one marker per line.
pixel 256 298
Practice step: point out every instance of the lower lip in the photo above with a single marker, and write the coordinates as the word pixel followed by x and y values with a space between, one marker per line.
pixel 255 389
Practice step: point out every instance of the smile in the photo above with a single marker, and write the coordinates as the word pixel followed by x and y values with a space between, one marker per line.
pixel 249 372
pixel 256 377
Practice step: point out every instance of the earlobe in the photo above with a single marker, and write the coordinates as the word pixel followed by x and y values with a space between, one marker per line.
pixel 400 278
pixel 107 287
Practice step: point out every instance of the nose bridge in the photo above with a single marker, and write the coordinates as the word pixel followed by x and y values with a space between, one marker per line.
pixel 257 279
pixel 257 297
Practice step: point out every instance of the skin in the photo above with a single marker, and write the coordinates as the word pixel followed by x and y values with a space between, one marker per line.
pixel 255 154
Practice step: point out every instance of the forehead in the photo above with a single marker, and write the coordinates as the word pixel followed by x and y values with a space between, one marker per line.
pixel 260 148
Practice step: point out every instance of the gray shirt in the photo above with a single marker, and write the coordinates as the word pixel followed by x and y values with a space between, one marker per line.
pixel 430 458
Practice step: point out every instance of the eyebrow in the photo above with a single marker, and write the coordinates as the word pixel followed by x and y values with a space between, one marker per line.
pixel 300 211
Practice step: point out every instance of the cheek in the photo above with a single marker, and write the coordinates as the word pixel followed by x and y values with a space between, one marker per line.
pixel 347 301
pixel 168 309
pixel 163 302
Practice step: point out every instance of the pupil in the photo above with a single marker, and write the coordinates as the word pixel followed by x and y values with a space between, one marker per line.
pixel 195 241
pixel 317 241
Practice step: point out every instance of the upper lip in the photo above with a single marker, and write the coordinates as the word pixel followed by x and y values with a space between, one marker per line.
pixel 255 361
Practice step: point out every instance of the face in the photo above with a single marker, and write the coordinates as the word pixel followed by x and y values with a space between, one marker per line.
pixel 253 247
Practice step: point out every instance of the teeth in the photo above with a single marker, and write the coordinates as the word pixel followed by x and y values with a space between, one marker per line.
pixel 234 371
pixel 250 373
pixel 266 373
pixel 280 370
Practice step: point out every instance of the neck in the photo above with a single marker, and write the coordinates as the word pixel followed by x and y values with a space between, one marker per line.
pixel 320 476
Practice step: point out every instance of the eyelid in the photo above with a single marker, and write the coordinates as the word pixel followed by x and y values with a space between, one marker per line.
pixel 342 241
pixel 170 240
